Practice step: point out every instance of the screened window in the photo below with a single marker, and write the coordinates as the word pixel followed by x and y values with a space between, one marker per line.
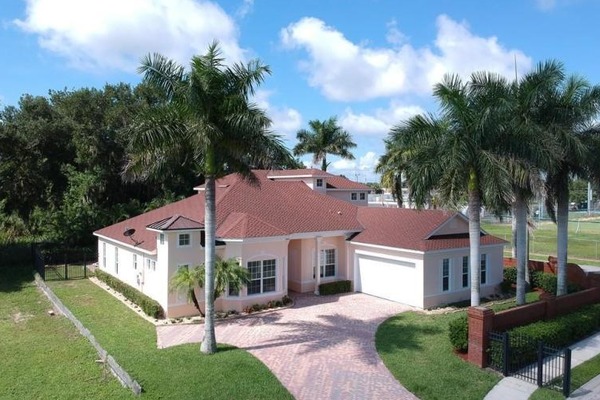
pixel 153 263
pixel 104 255
pixel 319 182
pixel 184 239
pixel 135 261
pixel 445 274
pixel 465 271
pixel 353 196
pixel 161 238
pixel 262 276
pixel 362 196
pixel 483 269
pixel 327 262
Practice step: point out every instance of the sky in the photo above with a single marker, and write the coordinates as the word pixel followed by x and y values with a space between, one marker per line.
pixel 370 63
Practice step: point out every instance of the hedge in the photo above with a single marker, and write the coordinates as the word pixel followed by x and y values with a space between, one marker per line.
pixel 459 333
pixel 335 287
pixel 150 306
pixel 540 280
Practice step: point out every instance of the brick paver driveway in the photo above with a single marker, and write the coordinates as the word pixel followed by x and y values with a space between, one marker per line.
pixel 322 348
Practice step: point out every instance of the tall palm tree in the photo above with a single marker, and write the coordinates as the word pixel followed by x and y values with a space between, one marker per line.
pixel 456 154
pixel 324 137
pixel 187 279
pixel 533 152
pixel 391 166
pixel 207 118
pixel 570 110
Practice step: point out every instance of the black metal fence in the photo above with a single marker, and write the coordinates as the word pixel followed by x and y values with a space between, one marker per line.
pixel 530 360
pixel 55 263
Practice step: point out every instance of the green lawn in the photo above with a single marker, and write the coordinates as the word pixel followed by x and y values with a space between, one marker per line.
pixel 415 348
pixel 584 240
pixel 180 372
pixel 45 357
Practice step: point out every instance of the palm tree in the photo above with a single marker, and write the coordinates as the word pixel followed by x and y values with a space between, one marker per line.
pixel 325 137
pixel 391 166
pixel 228 275
pixel 187 279
pixel 456 154
pixel 534 152
pixel 570 109
pixel 207 118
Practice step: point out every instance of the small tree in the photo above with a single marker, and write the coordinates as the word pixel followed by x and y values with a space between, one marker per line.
pixel 187 279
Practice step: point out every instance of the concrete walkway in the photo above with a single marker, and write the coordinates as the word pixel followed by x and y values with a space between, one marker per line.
pixel 322 348
pixel 517 389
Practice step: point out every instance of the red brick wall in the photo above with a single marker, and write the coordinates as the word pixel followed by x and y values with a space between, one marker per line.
pixel 518 316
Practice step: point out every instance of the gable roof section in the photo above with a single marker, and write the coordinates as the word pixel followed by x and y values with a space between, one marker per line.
pixel 241 225
pixel 297 173
pixel 341 183
pixel 411 229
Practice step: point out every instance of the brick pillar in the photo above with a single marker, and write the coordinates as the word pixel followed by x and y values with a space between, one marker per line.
pixel 481 320
pixel 550 301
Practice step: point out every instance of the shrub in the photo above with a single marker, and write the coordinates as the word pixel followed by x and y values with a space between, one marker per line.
pixel 506 286
pixel 546 282
pixel 335 287
pixel 286 300
pixel 510 275
pixel 150 306
pixel 458 331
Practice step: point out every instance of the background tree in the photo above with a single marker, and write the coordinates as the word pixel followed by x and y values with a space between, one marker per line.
pixel 324 137
pixel 208 119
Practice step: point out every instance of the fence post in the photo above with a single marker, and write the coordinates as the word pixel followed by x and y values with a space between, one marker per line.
pixel 567 373
pixel 480 322
pixel 540 364
pixel 66 267
pixel 505 353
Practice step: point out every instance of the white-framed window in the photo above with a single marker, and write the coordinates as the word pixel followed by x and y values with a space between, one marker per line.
pixel 104 255
pixel 328 262
pixel 483 278
pixel 161 238
pixel 153 265
pixel 262 276
pixel 319 182
pixel 362 196
pixel 135 261
pixel 148 263
pixel 353 196
pixel 445 274
pixel 183 240
pixel 116 260
pixel 465 271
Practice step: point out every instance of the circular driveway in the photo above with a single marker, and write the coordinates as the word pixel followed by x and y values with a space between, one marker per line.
pixel 321 348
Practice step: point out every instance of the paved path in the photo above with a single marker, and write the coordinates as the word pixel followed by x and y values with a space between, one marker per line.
pixel 516 389
pixel 322 348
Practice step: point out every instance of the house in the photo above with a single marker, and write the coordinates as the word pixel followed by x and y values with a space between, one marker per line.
pixel 295 230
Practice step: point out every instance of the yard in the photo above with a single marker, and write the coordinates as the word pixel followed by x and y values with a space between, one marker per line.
pixel 44 357
pixel 584 243
pixel 180 372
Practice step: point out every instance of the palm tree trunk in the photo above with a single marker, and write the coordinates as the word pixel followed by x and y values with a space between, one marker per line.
pixel 324 163
pixel 209 344
pixel 195 301
pixel 562 232
pixel 514 232
pixel 520 217
pixel 474 211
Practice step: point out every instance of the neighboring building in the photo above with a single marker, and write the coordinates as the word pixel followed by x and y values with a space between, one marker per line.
pixel 288 225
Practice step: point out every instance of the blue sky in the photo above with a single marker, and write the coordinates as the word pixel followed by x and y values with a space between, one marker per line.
pixel 371 63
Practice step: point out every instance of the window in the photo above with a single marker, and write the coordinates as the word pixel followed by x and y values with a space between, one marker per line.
pixel 352 196
pixel 148 263
pixel 184 240
pixel 362 196
pixel 104 255
pixel 161 238
pixel 327 262
pixel 116 260
pixel 262 276
pixel 483 278
pixel 445 274
pixel 153 263
pixel 319 182
pixel 465 272
pixel 135 261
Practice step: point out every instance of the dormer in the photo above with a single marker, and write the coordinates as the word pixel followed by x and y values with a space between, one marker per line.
pixel 313 178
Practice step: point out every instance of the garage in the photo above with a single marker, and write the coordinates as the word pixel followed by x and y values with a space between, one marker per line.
pixel 387 278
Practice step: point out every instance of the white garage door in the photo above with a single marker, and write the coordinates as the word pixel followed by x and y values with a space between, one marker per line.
pixel 388 279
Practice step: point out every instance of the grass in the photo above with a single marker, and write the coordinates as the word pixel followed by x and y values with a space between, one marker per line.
pixel 180 372
pixel 44 357
pixel 434 370
pixel 584 246
pixel 580 375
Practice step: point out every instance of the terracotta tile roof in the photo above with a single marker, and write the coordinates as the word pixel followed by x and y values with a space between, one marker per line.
pixel 241 225
pixel 311 172
pixel 333 181
pixel 176 222
pixel 408 229
pixel 339 182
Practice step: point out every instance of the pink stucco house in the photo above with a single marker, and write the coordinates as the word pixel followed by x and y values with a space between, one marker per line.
pixel 295 229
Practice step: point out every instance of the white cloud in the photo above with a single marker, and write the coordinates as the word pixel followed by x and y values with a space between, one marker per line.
pixel 346 71
pixel 286 121
pixel 361 169
pixel 114 34
pixel 245 8
pixel 380 122
pixel 545 5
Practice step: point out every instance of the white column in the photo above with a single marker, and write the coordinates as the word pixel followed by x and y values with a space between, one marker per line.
pixel 318 264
